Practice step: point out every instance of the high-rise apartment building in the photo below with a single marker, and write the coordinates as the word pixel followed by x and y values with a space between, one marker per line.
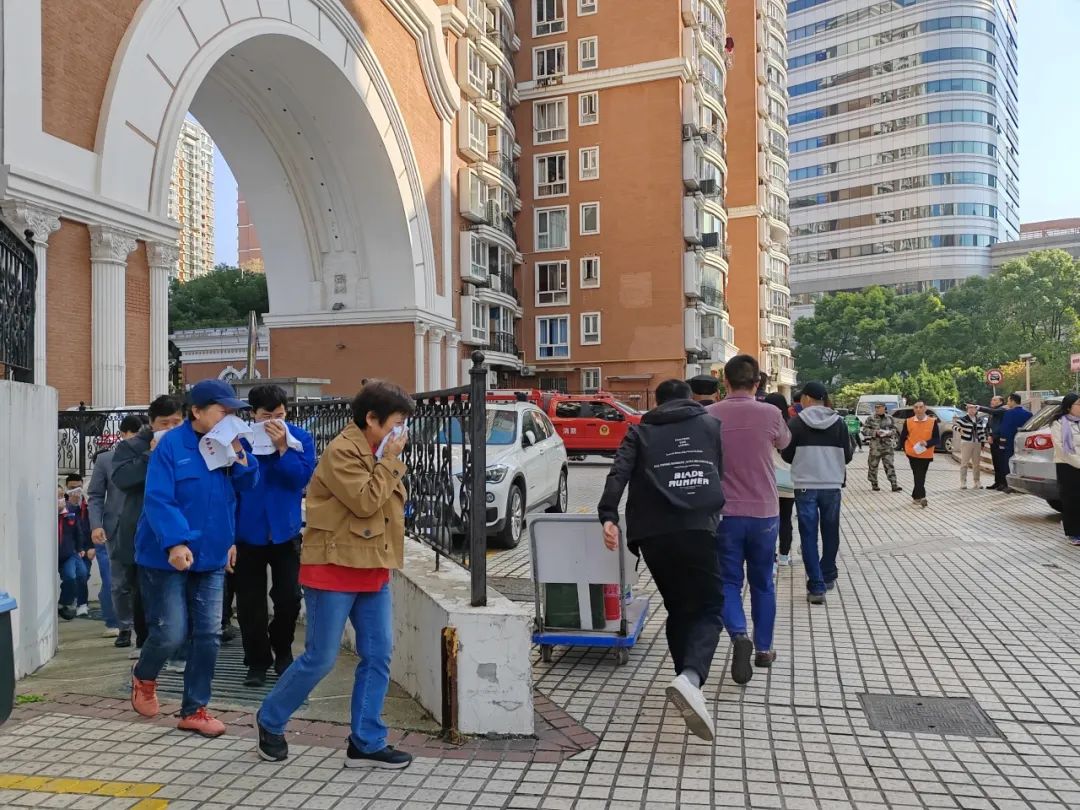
pixel 757 197
pixel 904 145
pixel 191 200
pixel 623 175
pixel 249 253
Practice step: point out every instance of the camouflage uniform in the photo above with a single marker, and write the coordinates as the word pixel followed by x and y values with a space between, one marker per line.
pixel 881 447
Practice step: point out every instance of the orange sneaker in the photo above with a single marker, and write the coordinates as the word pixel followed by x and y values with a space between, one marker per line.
pixel 144 698
pixel 202 723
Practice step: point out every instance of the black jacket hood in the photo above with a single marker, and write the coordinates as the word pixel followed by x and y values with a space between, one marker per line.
pixel 676 410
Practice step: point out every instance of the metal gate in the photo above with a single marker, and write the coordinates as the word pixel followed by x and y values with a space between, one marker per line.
pixel 18 280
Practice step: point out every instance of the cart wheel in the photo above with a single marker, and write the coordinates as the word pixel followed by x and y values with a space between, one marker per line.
pixel 622 655
pixel 546 651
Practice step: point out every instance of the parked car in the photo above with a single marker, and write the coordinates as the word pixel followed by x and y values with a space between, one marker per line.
pixel 1032 469
pixel 945 415
pixel 864 408
pixel 526 469
pixel 589 424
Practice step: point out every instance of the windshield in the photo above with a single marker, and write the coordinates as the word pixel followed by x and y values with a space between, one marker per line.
pixel 630 409
pixel 867 408
pixel 501 428
pixel 1042 419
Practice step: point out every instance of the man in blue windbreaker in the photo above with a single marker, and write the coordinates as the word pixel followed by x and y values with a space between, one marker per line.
pixel 184 543
pixel 268 535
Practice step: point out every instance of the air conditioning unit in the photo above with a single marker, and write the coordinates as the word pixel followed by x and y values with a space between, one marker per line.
pixel 527 371
pixel 710 240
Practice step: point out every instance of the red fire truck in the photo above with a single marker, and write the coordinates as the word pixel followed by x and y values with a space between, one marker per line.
pixel 589 424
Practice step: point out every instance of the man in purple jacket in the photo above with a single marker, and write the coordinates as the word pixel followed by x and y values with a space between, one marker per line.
pixel 748 530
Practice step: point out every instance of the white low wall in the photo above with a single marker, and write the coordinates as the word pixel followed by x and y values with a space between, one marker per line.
pixel 494 671
pixel 28 518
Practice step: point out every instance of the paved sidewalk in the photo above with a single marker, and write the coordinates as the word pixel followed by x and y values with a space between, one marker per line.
pixel 973 598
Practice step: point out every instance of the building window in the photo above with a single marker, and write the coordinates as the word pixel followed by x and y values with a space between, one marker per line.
pixel 590 271
pixel 588 109
pixel 478 71
pixel 589 163
pixel 479 320
pixel 550 17
pixel 478 261
pixel 552 283
pixel 551 175
pixel 590 218
pixel 552 232
pixel 586 7
pixel 590 380
pixel 586 53
pixel 553 337
pixel 549 121
pixel 478 133
pixel 590 328
pixel 549 62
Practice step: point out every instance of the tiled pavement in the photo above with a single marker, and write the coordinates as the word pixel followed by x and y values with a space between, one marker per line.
pixel 973 597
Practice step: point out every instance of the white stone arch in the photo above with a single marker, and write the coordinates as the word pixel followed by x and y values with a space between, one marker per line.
pixel 218 56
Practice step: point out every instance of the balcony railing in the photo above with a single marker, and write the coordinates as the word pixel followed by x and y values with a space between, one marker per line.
pixel 711 296
pixel 503 343
pixel 502 281
pixel 506 166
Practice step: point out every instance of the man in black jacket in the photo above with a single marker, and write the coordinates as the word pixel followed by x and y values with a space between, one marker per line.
pixel 673 464
pixel 129 462
pixel 996 413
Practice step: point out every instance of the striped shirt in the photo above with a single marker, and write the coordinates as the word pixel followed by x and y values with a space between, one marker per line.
pixel 970 430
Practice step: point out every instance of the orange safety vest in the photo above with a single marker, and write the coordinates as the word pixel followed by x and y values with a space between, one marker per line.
pixel 919 432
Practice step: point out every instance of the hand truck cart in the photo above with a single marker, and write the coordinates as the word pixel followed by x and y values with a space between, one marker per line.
pixel 570 567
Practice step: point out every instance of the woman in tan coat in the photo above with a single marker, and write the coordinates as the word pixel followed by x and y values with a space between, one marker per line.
pixel 355 536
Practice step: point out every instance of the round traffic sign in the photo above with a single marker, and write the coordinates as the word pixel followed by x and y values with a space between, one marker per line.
pixel 994 376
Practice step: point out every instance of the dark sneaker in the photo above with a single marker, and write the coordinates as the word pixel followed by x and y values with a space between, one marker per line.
pixel 764 660
pixel 255 677
pixel 742 649
pixel 281 664
pixel 272 747
pixel 815 598
pixel 123 640
pixel 67 612
pixel 897 488
pixel 830 585
pixel 875 488
pixel 388 759
pixel 228 633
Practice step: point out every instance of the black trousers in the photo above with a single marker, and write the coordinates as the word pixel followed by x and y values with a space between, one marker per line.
pixel 686 570
pixel 227 598
pixel 1068 478
pixel 787 507
pixel 266 640
pixel 919 468
pixel 1001 464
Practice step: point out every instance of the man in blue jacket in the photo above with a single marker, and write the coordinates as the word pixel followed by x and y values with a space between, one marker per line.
pixel 183 545
pixel 268 534
pixel 1015 417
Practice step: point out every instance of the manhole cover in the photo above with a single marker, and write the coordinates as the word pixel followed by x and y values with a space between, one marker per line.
pixel 229 674
pixel 516 589
pixel 962 717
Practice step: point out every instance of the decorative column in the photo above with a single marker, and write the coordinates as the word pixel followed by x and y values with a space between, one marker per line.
pixel 435 337
pixel 453 359
pixel 162 259
pixel 109 249
pixel 42 222
pixel 418 356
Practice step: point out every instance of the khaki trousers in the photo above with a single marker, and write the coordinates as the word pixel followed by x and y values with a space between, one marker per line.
pixel 970 456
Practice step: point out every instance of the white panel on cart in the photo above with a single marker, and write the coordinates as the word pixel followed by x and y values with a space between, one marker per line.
pixel 570 548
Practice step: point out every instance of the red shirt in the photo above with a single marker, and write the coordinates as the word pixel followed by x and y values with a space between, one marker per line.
pixel 341 578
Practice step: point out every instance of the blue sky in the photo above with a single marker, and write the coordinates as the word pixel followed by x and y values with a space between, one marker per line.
pixel 1049 40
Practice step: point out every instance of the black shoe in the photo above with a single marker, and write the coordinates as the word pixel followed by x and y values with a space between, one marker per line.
pixel 742 648
pixel 875 488
pixel 228 633
pixel 281 664
pixel 815 598
pixel 897 488
pixel 123 640
pixel 830 585
pixel 67 613
pixel 255 677
pixel 764 660
pixel 388 759
pixel 272 747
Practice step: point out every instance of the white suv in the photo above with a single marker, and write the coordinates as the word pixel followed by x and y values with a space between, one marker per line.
pixel 526 469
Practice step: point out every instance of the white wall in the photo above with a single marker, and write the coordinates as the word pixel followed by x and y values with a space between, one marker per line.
pixel 28 518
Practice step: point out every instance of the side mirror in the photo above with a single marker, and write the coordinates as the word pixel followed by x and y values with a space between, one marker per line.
pixel 529 439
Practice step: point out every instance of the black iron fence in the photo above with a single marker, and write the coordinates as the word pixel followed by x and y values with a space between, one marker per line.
pixel 18 279
pixel 446 458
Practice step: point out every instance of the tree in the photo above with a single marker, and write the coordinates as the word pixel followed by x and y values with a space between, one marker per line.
pixel 221 298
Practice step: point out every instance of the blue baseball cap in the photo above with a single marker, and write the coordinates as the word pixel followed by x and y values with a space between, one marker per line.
pixel 208 392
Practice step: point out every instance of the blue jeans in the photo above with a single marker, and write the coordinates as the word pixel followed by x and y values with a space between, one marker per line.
pixel 750 541
pixel 819 507
pixel 176 601
pixel 73 577
pixel 105 594
pixel 327 612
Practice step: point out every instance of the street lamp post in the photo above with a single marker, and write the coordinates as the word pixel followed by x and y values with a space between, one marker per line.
pixel 1028 360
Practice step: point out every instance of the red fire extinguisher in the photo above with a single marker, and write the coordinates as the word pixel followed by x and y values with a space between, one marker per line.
pixel 612 608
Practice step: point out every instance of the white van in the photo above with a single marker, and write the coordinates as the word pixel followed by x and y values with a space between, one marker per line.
pixel 865 407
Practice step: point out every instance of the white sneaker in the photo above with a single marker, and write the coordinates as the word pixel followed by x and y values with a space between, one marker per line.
pixel 110 632
pixel 176 666
pixel 691 705
pixel 82 610
pixel 783 559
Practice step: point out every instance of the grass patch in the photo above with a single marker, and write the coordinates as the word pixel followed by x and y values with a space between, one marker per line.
pixel 23 699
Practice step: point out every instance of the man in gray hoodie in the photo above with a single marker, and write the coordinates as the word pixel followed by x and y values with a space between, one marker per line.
pixel 819 452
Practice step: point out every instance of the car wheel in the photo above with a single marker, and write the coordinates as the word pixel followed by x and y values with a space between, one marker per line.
pixel 562 499
pixel 948 443
pixel 514 527
pixel 1055 505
